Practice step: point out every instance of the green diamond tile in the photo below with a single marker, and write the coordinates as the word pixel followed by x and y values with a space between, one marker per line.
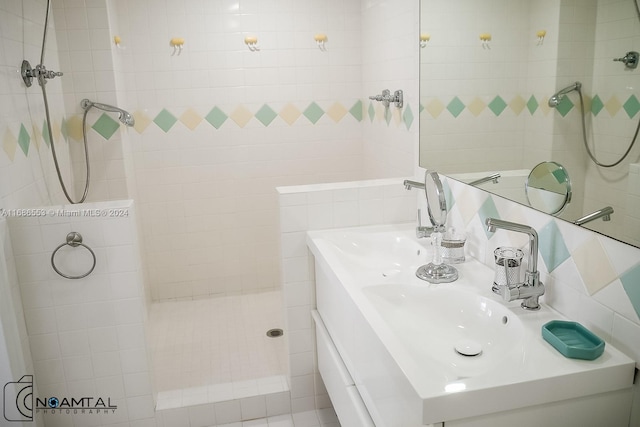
pixel 387 115
pixel 488 210
pixel 106 126
pixel 45 133
pixel 407 117
pixel 421 108
pixel 356 110
pixel 455 107
pixel 266 115
pixel 371 112
pixel 552 247
pixel 565 106
pixel 216 117
pixel 631 284
pixel 165 120
pixel 532 104
pixel 24 139
pixel 448 195
pixel 596 105
pixel 497 105
pixel 632 106
pixel 313 112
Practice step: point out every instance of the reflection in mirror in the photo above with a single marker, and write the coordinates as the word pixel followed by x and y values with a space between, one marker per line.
pixel 548 188
pixel 486 110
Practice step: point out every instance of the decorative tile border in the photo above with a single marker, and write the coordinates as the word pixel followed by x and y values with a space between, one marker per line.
pixel 497 105
pixel 601 262
pixel 106 126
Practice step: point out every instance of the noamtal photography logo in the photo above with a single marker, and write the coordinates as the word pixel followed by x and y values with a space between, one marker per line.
pixel 19 402
pixel 18 399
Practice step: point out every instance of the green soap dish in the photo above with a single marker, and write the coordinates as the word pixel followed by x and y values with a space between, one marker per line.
pixel 573 340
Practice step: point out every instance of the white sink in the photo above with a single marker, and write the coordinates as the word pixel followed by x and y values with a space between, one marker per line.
pixel 384 253
pixel 466 334
pixel 398 335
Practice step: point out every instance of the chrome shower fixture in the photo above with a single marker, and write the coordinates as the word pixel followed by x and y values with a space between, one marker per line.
pixel 557 97
pixel 630 60
pixel 124 116
pixel 39 72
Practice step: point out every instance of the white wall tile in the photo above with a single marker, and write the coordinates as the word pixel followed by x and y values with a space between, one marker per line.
pixel 77 368
pixel 625 337
pixel 74 343
pixel 140 407
pixel 228 412
pixel 253 407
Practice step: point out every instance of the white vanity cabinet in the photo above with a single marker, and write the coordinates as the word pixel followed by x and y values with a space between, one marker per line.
pixel 375 376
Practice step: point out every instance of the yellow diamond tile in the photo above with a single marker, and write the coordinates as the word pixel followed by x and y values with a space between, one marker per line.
pixel 517 104
pixel 435 108
pixel 56 128
pixel 290 114
pixel 336 112
pixel 36 137
pixel 74 127
pixel 544 106
pixel 9 144
pixel 594 266
pixel 613 106
pixel 397 116
pixel 466 204
pixel 241 116
pixel 190 119
pixel 142 121
pixel 587 103
pixel 379 112
pixel 477 106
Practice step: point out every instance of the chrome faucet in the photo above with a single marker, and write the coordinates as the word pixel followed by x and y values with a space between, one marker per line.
pixel 532 288
pixel 408 184
pixel 604 213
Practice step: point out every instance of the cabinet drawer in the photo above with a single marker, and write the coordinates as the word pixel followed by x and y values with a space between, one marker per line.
pixel 344 394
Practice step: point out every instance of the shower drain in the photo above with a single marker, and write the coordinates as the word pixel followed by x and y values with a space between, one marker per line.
pixel 275 333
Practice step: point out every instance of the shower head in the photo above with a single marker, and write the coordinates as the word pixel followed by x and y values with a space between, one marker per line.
pixel 557 97
pixel 124 116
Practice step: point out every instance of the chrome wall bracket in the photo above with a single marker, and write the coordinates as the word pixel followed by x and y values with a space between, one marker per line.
pixel 386 98
pixel 39 72
pixel 630 60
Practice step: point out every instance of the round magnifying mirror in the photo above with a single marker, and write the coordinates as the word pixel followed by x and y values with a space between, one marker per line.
pixel 548 188
pixel 436 201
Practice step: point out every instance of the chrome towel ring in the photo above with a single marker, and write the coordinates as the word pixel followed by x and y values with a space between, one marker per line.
pixel 74 239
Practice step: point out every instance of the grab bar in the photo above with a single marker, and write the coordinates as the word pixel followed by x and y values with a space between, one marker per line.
pixel 604 213
pixel 493 178
pixel 74 239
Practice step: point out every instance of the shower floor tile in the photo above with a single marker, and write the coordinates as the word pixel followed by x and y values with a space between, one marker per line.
pixel 219 340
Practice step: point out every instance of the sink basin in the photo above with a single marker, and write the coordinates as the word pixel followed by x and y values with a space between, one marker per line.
pixel 422 353
pixel 384 254
pixel 466 334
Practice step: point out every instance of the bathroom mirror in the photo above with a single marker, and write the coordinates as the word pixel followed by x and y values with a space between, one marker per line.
pixel 436 201
pixel 487 72
pixel 548 187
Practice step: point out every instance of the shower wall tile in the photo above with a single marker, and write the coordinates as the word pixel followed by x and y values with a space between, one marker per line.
pixel 91 332
pixel 246 122
pixel 25 175
pixel 298 208
pixel 390 60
